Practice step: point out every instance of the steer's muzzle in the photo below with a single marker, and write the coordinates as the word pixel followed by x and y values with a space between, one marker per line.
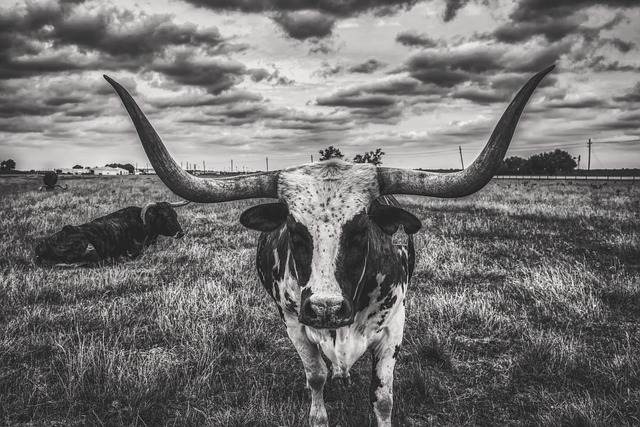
pixel 326 311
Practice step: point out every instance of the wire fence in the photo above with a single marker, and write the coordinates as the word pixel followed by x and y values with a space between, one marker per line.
pixel 569 178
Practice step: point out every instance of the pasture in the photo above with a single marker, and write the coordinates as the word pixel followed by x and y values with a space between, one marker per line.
pixel 524 310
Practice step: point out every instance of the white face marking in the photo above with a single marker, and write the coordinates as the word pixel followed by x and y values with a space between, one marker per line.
pixel 323 197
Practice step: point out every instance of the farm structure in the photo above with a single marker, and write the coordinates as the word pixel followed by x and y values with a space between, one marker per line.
pixel 109 171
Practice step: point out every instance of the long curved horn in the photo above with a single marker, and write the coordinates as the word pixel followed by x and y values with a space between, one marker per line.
pixel 179 204
pixel 143 212
pixel 478 174
pixel 188 186
pixel 66 186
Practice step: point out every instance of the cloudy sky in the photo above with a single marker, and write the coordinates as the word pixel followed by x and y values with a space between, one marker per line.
pixel 249 79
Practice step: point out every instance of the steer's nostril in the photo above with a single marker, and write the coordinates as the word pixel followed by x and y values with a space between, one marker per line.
pixel 345 311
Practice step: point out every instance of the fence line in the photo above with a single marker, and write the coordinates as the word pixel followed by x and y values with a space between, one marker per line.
pixel 569 177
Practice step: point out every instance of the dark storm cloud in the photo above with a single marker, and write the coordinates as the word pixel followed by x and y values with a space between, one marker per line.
pixel 273 118
pixel 600 63
pixel 56 101
pixel 61 95
pixel 532 9
pixel 214 74
pixel 362 100
pixel 555 20
pixel 452 7
pixel 535 61
pixel 622 45
pixel 480 96
pixel 197 100
pixel 585 102
pixel 48 38
pixel 628 123
pixel 258 74
pixel 341 9
pixel 552 28
pixel 414 39
pixel 633 96
pixel 367 67
pixel 290 14
pixel 274 77
pixel 450 68
pixel 305 24
pixel 20 125
pixel 381 101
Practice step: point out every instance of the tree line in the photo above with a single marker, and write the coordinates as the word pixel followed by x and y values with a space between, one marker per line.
pixel 549 163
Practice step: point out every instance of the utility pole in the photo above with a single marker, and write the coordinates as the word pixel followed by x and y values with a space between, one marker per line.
pixel 589 160
pixel 312 158
pixel 231 165
pixel 461 161
pixel 267 160
pixel 204 167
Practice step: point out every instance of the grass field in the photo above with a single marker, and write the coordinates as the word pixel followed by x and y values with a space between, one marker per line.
pixel 524 310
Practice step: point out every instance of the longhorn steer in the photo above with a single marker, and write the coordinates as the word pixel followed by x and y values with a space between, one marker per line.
pixel 123 233
pixel 326 254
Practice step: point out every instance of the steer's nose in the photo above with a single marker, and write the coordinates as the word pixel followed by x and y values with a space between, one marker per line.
pixel 326 311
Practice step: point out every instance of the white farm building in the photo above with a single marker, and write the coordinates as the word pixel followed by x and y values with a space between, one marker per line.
pixel 67 171
pixel 109 171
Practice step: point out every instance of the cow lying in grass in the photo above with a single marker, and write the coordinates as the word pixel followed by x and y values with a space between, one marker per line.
pixel 124 233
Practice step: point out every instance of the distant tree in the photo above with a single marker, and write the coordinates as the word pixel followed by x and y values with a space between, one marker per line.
pixel 550 163
pixel 77 167
pixel 330 153
pixel 7 165
pixel 512 165
pixel 374 157
pixel 560 161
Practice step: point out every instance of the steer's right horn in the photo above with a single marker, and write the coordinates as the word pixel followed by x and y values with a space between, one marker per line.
pixel 184 184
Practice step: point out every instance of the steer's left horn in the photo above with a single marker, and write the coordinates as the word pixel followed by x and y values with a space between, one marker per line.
pixel 184 184
pixel 179 204
pixel 478 174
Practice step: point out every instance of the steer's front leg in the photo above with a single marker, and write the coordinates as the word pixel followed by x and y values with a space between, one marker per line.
pixel 316 372
pixel 383 363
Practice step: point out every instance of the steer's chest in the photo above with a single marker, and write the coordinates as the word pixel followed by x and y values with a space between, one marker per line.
pixel 344 346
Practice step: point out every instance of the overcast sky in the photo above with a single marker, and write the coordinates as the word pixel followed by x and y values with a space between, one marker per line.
pixel 245 80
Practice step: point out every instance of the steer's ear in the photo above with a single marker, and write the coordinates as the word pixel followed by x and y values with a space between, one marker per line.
pixel 266 217
pixel 389 218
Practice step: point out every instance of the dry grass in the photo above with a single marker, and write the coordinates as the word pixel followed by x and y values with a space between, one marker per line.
pixel 524 310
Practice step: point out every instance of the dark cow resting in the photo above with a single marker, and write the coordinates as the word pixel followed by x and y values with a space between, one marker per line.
pixel 124 233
